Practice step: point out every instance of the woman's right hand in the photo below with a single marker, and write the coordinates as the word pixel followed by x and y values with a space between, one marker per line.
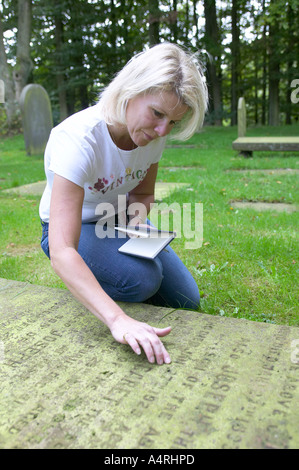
pixel 139 335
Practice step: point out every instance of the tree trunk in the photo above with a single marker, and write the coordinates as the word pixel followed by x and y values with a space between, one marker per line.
pixel 273 90
pixel 11 105
pixel 264 77
pixel 289 53
pixel 24 64
pixel 195 19
pixel 174 25
pixel 154 22
pixel 212 41
pixel 235 61
pixel 60 77
pixel 187 22
pixel 274 72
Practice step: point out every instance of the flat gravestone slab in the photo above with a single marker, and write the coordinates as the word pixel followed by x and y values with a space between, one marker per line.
pixel 264 206
pixel 33 189
pixel 66 383
pixel 269 171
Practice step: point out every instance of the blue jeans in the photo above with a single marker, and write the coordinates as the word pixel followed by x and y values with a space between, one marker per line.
pixel 164 281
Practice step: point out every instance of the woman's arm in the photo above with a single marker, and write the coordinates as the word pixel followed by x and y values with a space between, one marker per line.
pixel 144 194
pixel 64 234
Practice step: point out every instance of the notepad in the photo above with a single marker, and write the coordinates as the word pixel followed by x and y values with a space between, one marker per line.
pixel 148 241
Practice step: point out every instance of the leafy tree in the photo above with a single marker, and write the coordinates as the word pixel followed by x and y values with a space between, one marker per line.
pixel 16 78
pixel 75 47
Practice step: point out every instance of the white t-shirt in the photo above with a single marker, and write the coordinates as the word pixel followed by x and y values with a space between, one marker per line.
pixel 81 150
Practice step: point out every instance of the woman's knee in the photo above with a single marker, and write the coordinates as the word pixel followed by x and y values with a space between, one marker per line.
pixel 143 281
pixel 128 280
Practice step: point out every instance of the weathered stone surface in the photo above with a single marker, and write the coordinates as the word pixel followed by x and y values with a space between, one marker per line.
pixel 36 117
pixel 34 189
pixel 278 144
pixel 241 117
pixel 268 171
pixel 65 382
pixel 246 145
pixel 264 206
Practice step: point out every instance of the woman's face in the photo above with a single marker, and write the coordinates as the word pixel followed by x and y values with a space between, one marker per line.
pixel 153 116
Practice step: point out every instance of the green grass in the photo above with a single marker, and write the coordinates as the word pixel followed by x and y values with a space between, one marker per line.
pixel 248 264
pixel 20 255
pixel 16 168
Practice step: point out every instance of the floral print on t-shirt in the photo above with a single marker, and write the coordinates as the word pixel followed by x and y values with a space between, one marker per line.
pixel 103 185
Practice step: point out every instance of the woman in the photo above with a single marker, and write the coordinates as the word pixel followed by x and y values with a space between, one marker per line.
pixel 113 149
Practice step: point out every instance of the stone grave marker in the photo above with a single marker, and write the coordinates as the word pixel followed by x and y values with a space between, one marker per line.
pixel 241 117
pixel 36 118
pixel 246 145
pixel 66 383
pixel 264 206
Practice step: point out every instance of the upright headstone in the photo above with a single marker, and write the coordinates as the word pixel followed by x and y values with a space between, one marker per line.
pixel 36 117
pixel 241 117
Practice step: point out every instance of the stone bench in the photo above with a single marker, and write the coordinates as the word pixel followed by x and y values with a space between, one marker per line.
pixel 66 383
pixel 246 145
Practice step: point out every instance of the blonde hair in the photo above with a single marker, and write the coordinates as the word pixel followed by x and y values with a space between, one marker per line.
pixel 164 67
